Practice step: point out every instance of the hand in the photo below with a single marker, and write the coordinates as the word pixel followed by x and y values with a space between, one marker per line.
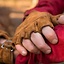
pixel 37 42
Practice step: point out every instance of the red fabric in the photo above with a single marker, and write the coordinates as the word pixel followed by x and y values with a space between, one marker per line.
pixel 57 55
pixel 51 6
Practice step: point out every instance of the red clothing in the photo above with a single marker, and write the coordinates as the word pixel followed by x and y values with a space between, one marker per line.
pixel 51 6
pixel 57 54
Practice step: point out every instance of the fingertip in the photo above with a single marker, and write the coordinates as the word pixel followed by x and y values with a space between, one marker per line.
pixel 21 50
pixel 61 19
pixel 23 53
pixel 50 34
pixel 48 51
pixel 30 46
pixel 54 41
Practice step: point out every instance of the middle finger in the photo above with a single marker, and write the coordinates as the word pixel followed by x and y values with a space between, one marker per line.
pixel 38 40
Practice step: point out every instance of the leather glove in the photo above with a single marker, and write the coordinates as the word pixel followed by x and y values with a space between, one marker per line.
pixel 4 34
pixel 6 49
pixel 34 22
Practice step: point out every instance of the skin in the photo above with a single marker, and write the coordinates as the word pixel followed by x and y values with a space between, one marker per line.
pixel 16 53
pixel 37 42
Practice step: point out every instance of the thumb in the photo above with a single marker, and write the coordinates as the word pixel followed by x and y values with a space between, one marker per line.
pixel 61 19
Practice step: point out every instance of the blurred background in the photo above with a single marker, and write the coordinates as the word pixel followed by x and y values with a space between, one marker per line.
pixel 11 13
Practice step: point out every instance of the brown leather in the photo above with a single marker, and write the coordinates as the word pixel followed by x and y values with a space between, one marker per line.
pixel 6 49
pixel 6 53
pixel 4 34
pixel 34 22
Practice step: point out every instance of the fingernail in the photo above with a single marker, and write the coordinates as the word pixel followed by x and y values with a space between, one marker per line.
pixel 24 53
pixel 54 41
pixel 48 51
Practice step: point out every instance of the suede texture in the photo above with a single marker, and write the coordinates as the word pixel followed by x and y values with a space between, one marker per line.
pixel 6 55
pixel 54 7
pixel 34 22
pixel 56 56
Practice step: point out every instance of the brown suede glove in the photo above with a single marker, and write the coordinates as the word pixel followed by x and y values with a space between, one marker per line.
pixel 34 22
pixel 4 34
pixel 6 49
